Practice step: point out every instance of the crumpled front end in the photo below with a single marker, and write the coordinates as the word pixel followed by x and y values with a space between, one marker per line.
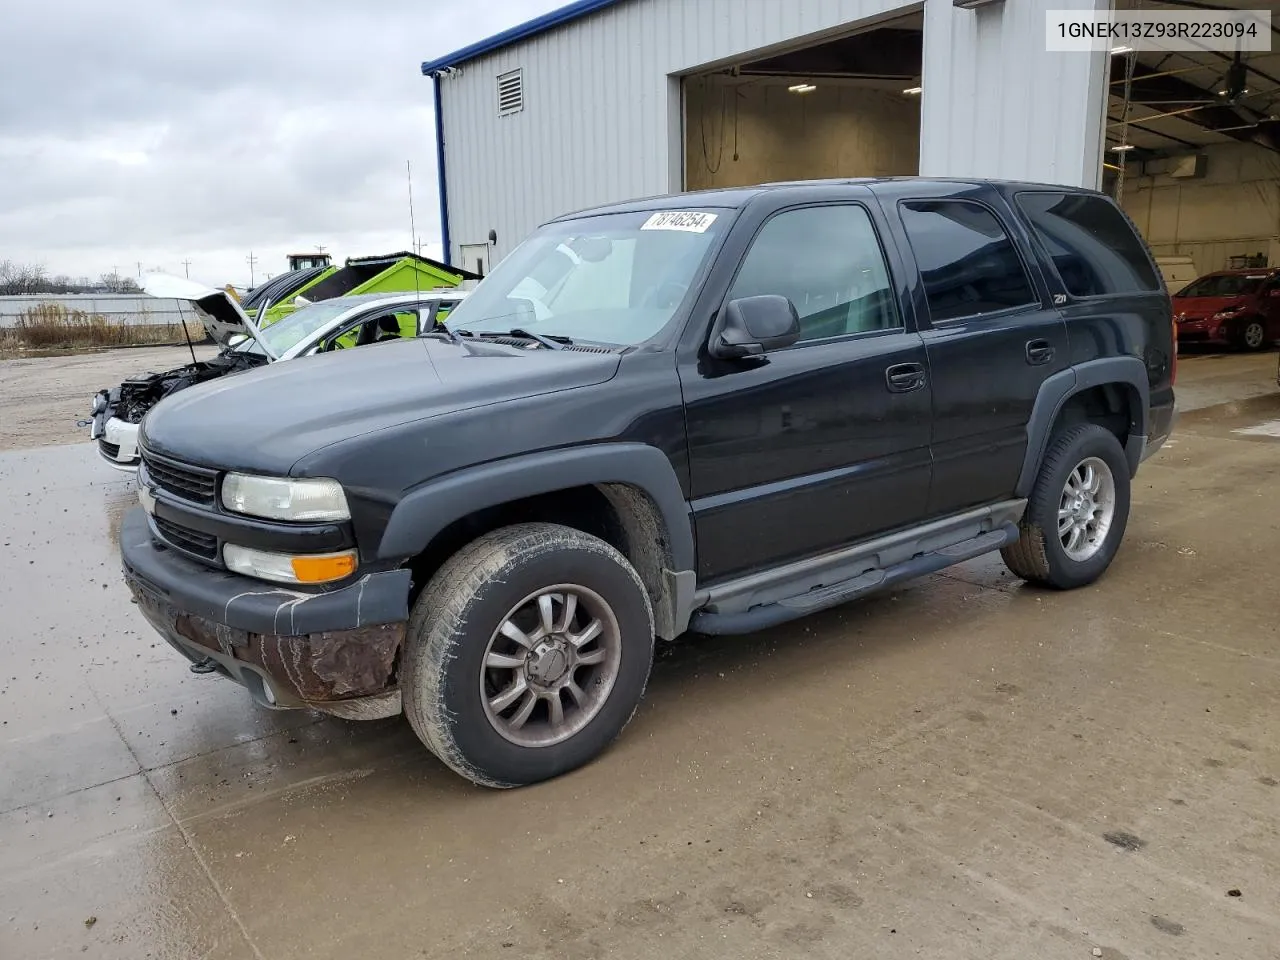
pixel 336 650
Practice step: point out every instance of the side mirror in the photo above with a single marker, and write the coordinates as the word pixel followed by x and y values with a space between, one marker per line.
pixel 752 326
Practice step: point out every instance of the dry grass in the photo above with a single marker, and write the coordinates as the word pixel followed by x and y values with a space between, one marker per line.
pixel 48 329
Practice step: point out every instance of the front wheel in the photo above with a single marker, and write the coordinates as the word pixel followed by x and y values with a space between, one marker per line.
pixel 526 654
pixel 1250 334
pixel 1077 512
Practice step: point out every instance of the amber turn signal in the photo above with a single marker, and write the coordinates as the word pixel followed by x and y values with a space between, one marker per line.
pixel 324 568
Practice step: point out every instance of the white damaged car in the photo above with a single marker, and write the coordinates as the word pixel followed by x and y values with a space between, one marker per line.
pixel 337 324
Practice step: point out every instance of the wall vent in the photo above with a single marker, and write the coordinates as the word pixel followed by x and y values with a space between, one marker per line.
pixel 510 93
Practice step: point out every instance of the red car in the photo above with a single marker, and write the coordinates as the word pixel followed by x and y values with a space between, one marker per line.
pixel 1238 308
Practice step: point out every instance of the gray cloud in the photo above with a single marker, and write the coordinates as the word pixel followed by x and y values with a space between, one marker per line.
pixel 160 130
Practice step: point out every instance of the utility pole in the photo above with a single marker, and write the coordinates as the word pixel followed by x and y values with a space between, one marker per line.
pixel 139 269
pixel 252 261
pixel 186 268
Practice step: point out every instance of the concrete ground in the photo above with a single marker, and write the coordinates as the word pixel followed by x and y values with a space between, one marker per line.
pixel 963 768
pixel 41 399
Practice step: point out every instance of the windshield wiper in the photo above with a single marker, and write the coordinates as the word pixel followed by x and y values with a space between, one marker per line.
pixel 551 343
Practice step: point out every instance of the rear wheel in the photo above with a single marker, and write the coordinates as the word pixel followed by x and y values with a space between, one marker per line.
pixel 1077 512
pixel 527 654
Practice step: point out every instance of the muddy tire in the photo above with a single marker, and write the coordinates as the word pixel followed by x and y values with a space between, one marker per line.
pixel 1077 511
pixel 527 654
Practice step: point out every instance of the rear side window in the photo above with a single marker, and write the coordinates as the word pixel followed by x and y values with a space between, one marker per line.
pixel 1092 244
pixel 967 261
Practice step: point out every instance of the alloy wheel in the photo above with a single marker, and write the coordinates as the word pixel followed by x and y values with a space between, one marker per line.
pixel 1087 508
pixel 550 665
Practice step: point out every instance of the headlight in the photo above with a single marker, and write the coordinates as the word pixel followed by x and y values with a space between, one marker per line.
pixel 279 498
pixel 289 568
pixel 1229 312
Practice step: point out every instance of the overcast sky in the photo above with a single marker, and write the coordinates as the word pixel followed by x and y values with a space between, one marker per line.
pixel 169 130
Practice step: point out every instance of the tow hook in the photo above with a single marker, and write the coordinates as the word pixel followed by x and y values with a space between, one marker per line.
pixel 207 665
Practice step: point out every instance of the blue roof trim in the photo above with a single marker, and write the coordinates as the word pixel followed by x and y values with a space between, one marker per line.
pixel 548 21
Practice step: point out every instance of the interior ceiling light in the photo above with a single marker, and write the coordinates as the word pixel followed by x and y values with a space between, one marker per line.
pixel 1115 51
pixel 802 88
pixel 914 90
pixel 1122 148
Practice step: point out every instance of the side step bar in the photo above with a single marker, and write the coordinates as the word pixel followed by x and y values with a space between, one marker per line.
pixel 820 598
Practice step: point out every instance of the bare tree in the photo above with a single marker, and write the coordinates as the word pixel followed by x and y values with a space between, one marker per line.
pixel 19 278
pixel 31 279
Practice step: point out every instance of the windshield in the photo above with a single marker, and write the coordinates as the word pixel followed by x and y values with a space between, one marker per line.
pixel 614 279
pixel 1223 285
pixel 290 331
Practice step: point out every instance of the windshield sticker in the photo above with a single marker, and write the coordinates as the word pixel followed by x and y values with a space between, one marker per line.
pixel 686 220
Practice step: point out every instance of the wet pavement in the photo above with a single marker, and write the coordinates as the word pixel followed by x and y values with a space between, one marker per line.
pixel 963 768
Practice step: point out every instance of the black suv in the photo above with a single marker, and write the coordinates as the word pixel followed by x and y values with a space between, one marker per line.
pixel 713 412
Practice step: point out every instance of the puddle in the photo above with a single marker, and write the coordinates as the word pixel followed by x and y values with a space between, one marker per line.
pixel 1255 418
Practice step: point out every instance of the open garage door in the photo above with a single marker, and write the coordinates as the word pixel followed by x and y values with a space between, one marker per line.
pixel 1193 152
pixel 847 106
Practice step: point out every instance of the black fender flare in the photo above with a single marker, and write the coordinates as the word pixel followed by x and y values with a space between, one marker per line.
pixel 1062 386
pixel 426 510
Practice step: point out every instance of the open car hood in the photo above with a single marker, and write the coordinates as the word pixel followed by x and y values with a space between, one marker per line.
pixel 220 313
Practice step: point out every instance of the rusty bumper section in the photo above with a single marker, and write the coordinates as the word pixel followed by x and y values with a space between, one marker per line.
pixel 334 650
pixel 313 670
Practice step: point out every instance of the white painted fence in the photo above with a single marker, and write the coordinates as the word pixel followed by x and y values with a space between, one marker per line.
pixel 120 308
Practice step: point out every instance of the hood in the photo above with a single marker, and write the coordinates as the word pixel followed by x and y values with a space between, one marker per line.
pixel 266 420
pixel 1198 307
pixel 220 313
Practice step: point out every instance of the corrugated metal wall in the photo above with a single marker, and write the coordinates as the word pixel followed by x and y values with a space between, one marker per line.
pixel 997 104
pixel 1233 210
pixel 602 116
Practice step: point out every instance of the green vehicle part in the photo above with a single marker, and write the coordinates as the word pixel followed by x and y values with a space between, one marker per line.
pixel 396 273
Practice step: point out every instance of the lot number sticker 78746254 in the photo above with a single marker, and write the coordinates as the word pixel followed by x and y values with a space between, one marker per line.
pixel 690 221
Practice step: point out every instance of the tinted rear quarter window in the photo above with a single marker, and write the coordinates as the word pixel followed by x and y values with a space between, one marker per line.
pixel 967 261
pixel 1095 249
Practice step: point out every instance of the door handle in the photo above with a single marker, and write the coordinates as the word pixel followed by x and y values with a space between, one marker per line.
pixel 904 377
pixel 1039 351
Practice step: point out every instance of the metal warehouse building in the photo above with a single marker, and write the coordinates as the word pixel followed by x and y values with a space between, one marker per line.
pixel 604 100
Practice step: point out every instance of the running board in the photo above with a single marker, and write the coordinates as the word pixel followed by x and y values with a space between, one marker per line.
pixel 821 598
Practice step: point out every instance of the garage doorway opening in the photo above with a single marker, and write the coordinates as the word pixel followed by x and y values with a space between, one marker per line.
pixel 1192 153
pixel 847 106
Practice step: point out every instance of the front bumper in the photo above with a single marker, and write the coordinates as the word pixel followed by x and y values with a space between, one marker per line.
pixel 335 651
pixel 117 443
pixel 1203 331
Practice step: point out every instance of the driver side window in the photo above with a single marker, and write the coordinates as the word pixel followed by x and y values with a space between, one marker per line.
pixel 380 327
pixel 828 262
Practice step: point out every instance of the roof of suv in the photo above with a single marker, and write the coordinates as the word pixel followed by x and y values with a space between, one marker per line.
pixel 735 197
